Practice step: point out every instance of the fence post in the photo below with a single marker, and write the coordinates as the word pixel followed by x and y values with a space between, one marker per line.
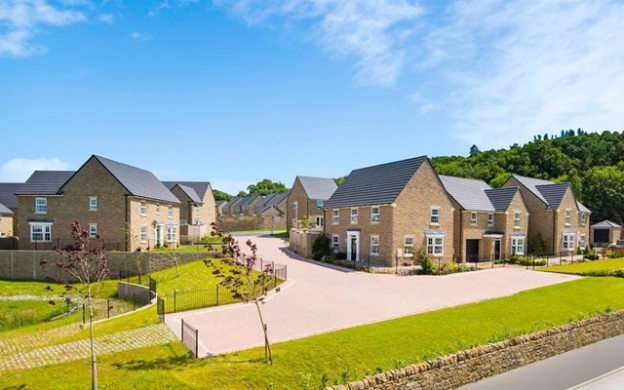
pixel 182 330
pixel 217 288
pixel 547 260
pixel 196 342
pixel 134 300
pixel 108 308
pixel 83 314
pixel 175 301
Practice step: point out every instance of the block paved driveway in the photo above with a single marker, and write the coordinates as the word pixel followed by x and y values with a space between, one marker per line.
pixel 318 299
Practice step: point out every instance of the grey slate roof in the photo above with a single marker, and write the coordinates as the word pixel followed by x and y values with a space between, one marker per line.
pixel 220 202
pixel 45 183
pixel 231 203
pixel 200 187
pixel 266 199
pixel 5 210
pixel 531 183
pixel 318 188
pixel 582 208
pixel 549 192
pixel 275 200
pixel 248 200
pixel 7 194
pixel 377 185
pixel 606 224
pixel 469 193
pixel 190 192
pixel 138 182
pixel 501 197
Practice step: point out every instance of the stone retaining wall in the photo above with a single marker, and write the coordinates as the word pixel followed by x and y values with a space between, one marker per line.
pixel 134 291
pixel 462 368
pixel 25 265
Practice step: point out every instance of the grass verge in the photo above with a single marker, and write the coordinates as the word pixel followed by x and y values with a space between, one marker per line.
pixel 587 267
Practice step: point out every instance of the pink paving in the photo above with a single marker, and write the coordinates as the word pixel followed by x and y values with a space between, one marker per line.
pixel 318 299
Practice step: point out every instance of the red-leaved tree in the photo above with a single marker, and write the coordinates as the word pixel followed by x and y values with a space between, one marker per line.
pixel 88 267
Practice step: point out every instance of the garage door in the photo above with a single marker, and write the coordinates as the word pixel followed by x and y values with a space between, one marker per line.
pixel 472 250
pixel 601 235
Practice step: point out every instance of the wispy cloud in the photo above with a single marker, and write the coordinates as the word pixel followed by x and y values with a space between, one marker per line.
pixel 370 31
pixel 517 68
pixel 21 20
pixel 107 18
pixel 141 36
pixel 20 169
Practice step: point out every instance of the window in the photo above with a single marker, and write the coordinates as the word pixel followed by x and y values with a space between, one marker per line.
pixel 568 241
pixel 517 246
pixel 335 217
pixel 517 219
pixel 374 246
pixel 143 233
pixel 92 203
pixel 568 217
pixel 319 204
pixel 490 219
pixel 408 246
pixel 196 210
pixel 157 208
pixel 335 244
pixel 41 205
pixel 473 218
pixel 435 246
pixel 41 232
pixel 143 207
pixel 435 215
pixel 183 222
pixel 172 233
pixel 170 211
pixel 92 231
pixel 319 221
pixel 375 214
pixel 583 219
pixel 354 216
pixel 582 241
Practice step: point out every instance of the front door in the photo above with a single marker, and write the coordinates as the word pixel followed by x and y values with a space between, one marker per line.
pixel 353 246
pixel 319 221
pixel 497 249
pixel 472 251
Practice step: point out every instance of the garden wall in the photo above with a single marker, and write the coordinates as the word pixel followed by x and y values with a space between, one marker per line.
pixel 25 265
pixel 451 372
pixel 134 291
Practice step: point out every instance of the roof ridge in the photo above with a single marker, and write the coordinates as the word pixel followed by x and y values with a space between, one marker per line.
pixel 393 162
pixel 120 163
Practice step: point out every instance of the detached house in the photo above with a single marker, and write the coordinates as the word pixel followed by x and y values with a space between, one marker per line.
pixel 248 206
pixel 220 205
pixel 198 208
pixel 307 198
pixel 231 208
pixel 490 223
pixel 6 221
pixel 272 212
pixel 556 215
pixel 106 197
pixel 9 200
pixel 387 213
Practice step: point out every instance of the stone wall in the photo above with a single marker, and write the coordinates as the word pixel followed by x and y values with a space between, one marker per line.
pixel 134 291
pixel 451 372
pixel 25 265
pixel 301 240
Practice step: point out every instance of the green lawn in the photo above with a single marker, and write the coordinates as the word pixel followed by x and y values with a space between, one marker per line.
pixel 200 248
pixel 19 287
pixel 587 266
pixel 342 355
pixel 16 314
pixel 275 231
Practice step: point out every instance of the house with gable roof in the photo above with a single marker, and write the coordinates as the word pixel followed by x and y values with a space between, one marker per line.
pixel 9 200
pixel 198 208
pixel 307 198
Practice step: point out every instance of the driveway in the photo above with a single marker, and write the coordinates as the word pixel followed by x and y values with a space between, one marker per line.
pixel 318 299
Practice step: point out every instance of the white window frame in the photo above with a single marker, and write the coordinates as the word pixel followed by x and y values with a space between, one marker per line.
pixel 41 208
pixel 434 217
pixel 517 219
pixel 169 211
pixel 435 246
pixel 568 217
pixel 583 219
pixel 335 243
pixel 567 242
pixel 474 218
pixel 157 208
pixel 171 233
pixel 582 241
pixel 46 229
pixel 490 219
pixel 373 245
pixel 93 203
pixel 354 217
pixel 320 221
pixel 335 217
pixel 92 233
pixel 517 242
pixel 143 233
pixel 143 207
pixel 375 216
pixel 408 249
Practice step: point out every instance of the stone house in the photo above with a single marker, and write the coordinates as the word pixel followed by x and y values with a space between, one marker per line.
pixel 383 215
pixel 198 208
pixel 307 198
pixel 605 233
pixel 231 208
pixel 272 215
pixel 489 223
pixel 248 206
pixel 9 200
pixel 6 221
pixel 106 197
pixel 220 205
pixel 556 216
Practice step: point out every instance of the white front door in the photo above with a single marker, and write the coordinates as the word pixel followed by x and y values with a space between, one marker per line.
pixel 353 246
pixel 319 221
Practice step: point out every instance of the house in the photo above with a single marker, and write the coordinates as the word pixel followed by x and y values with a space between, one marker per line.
pixel 272 215
pixel 556 216
pixel 383 215
pixel 198 208
pixel 220 205
pixel 6 221
pixel 248 206
pixel 127 207
pixel 306 200
pixel 489 223
pixel 9 199
pixel 605 233
pixel 231 208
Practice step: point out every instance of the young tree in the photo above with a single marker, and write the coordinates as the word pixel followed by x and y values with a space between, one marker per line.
pixel 89 267
pixel 237 271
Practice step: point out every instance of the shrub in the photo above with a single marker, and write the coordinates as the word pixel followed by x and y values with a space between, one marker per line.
pixel 449 268
pixel 427 267
pixel 465 268
pixel 616 254
pixel 321 247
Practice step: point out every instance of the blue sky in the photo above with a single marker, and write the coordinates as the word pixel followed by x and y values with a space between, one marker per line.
pixel 233 91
